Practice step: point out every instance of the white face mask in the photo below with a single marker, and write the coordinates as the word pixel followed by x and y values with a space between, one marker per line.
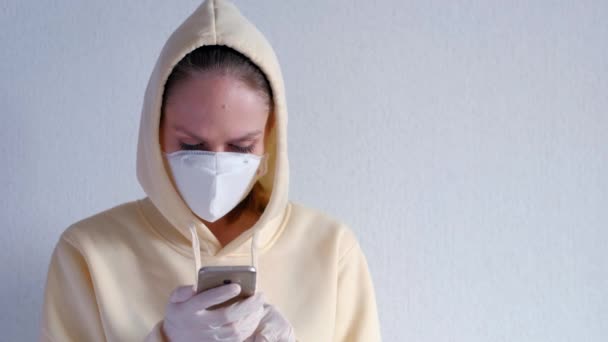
pixel 213 183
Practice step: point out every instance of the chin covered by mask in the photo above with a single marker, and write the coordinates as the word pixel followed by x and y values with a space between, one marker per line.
pixel 213 183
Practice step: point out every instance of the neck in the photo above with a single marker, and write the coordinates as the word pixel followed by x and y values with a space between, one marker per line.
pixel 226 230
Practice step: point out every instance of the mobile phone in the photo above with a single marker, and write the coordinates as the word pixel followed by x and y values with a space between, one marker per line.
pixel 214 276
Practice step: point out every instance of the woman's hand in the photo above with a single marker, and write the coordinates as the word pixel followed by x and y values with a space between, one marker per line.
pixel 273 327
pixel 187 318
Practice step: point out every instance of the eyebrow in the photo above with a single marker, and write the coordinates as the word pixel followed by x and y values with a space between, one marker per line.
pixel 245 137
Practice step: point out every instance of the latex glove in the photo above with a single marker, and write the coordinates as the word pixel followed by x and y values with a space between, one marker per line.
pixel 187 318
pixel 273 327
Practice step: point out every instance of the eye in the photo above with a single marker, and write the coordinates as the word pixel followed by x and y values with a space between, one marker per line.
pixel 246 149
pixel 188 147
pixel 242 149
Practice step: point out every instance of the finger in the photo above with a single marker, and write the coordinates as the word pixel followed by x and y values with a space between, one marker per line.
pixel 234 312
pixel 181 294
pixel 242 329
pixel 240 309
pixel 212 297
pixel 273 326
pixel 248 324
pixel 224 333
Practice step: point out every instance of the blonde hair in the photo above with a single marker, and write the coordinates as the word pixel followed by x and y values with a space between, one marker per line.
pixel 257 199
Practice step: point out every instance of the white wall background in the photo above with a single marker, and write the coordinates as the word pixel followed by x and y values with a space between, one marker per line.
pixel 465 142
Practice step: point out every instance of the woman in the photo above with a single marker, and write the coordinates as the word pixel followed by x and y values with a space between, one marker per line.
pixel 212 159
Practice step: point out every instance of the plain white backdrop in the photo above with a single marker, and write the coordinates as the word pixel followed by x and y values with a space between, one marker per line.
pixel 465 142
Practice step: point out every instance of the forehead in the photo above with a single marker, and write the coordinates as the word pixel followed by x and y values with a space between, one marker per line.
pixel 211 103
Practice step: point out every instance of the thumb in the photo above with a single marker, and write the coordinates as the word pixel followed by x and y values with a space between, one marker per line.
pixel 181 294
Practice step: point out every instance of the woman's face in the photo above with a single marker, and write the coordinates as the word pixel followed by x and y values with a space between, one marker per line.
pixel 214 112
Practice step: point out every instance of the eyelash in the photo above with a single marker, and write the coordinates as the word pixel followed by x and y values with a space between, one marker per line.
pixel 247 149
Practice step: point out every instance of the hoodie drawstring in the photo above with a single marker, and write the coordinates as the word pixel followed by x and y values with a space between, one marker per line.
pixel 254 258
pixel 196 249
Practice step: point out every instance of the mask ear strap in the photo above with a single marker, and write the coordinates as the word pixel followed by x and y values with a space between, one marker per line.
pixel 264 165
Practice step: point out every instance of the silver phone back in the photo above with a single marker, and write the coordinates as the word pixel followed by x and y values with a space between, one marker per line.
pixel 214 276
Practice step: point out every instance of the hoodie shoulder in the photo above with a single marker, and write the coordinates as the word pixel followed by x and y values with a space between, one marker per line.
pixel 322 225
pixel 120 222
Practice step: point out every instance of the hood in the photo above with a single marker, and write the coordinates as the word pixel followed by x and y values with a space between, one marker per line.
pixel 214 22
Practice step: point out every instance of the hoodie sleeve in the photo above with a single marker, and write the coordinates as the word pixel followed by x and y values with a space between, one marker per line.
pixel 356 314
pixel 70 311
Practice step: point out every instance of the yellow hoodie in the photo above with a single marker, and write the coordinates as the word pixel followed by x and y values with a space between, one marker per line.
pixel 111 274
